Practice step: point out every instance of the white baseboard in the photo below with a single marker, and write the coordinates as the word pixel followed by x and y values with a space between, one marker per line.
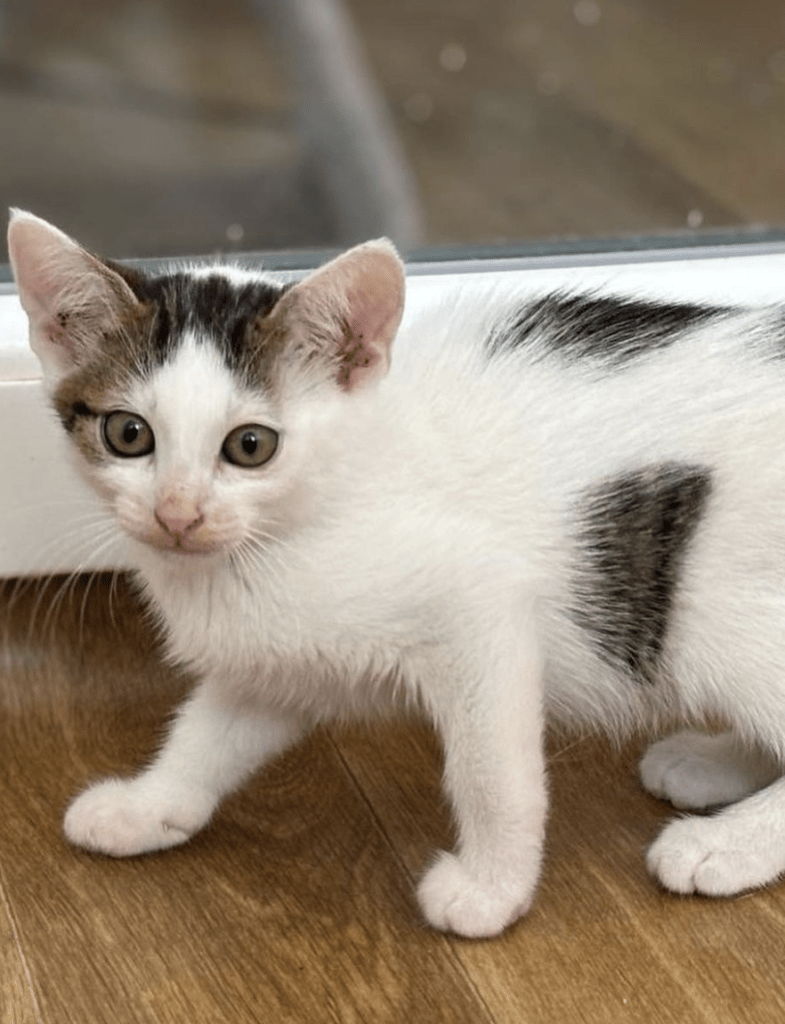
pixel 44 504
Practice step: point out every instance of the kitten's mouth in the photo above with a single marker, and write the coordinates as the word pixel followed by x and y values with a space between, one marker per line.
pixel 185 547
pixel 202 540
pixel 185 551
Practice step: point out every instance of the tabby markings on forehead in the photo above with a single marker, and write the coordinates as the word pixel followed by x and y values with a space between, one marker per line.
pixel 218 307
pixel 608 329
pixel 633 537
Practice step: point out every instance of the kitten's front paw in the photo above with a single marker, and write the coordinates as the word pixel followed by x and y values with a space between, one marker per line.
pixel 454 900
pixel 126 817
pixel 711 856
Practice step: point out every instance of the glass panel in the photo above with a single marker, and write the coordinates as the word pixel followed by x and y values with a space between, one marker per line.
pixel 168 127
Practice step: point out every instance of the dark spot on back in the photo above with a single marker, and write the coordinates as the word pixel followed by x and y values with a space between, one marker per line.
pixel 610 330
pixel 633 535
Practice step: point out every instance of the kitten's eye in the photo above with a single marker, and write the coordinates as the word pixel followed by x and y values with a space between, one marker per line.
pixel 250 445
pixel 127 435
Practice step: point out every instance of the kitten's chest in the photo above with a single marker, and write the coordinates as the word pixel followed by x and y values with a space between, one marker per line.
pixel 312 640
pixel 238 615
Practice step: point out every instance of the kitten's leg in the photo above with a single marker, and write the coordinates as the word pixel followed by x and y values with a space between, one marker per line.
pixel 695 771
pixel 491 727
pixel 741 847
pixel 211 749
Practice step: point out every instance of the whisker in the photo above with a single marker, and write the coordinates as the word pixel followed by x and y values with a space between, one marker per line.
pixel 259 554
pixel 245 560
pixel 270 544
pixel 262 556
pixel 114 576
pixel 91 579
pixel 40 562
pixel 83 605
pixel 273 539
pixel 54 604
pixel 99 543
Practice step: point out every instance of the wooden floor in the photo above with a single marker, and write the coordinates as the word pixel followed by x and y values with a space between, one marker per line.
pixel 160 128
pixel 296 903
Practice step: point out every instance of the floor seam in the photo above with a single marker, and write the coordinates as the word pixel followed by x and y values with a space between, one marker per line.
pixel 448 942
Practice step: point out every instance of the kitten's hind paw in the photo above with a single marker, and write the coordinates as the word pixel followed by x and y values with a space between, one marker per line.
pixel 454 900
pixel 127 817
pixel 695 771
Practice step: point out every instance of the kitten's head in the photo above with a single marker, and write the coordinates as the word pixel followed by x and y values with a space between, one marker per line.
pixel 193 399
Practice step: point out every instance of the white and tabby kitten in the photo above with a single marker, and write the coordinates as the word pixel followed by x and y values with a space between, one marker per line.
pixel 570 506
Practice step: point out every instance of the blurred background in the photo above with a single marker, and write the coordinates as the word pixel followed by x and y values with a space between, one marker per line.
pixel 173 127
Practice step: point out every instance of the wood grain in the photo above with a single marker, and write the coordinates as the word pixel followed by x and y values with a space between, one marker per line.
pixel 296 903
pixel 18 998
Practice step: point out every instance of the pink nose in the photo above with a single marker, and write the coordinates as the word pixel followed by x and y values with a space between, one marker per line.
pixel 178 515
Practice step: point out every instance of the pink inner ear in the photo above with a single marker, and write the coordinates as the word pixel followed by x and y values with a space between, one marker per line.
pixel 66 292
pixel 51 322
pixel 44 267
pixel 43 303
pixel 374 296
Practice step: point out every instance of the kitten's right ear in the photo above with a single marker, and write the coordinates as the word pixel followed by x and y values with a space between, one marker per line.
pixel 348 311
pixel 70 296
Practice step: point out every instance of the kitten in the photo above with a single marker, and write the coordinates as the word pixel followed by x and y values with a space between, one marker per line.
pixel 569 505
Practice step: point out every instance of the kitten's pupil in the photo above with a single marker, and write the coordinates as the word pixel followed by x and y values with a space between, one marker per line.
pixel 131 432
pixel 249 442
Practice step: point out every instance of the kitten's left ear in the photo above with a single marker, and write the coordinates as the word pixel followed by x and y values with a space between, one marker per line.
pixel 349 311
pixel 70 296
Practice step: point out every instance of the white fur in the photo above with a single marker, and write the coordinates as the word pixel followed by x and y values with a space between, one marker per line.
pixel 410 545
